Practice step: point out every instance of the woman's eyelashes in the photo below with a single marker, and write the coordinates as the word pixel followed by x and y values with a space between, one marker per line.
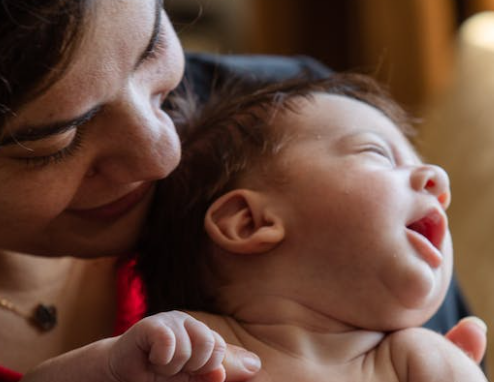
pixel 158 48
pixel 58 156
pixel 57 147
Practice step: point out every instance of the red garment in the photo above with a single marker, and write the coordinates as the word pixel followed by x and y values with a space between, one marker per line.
pixel 7 375
pixel 130 309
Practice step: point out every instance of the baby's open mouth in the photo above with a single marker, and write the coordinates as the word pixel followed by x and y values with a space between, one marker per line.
pixel 432 226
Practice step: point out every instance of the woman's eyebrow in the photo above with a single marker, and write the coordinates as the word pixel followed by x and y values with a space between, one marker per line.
pixel 154 35
pixel 36 133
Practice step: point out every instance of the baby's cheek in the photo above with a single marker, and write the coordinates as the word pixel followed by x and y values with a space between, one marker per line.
pixel 413 285
pixel 447 251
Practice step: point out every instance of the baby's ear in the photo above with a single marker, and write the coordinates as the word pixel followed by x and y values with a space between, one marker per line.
pixel 242 221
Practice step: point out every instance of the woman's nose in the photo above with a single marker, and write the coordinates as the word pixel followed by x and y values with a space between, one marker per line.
pixel 434 180
pixel 141 144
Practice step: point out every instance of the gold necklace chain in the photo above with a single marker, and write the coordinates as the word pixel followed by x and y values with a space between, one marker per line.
pixel 44 317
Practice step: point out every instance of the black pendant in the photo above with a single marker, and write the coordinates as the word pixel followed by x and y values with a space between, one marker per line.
pixel 45 317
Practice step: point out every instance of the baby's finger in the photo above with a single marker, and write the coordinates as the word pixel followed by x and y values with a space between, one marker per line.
pixel 162 344
pixel 181 355
pixel 217 355
pixel 203 345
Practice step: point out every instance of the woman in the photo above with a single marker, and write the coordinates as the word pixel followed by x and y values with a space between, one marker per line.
pixel 82 141
pixel 81 146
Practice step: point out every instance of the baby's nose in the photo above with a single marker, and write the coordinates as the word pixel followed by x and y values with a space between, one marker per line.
pixel 434 180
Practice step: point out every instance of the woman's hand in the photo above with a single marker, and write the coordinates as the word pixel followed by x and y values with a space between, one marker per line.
pixel 470 335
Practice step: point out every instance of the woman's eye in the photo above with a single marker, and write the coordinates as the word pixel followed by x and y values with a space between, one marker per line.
pixel 52 150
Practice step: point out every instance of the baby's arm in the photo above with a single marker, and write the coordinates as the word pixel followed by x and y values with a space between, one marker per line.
pixel 421 355
pixel 168 347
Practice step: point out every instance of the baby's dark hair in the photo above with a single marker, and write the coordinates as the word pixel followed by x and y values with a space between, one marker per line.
pixel 223 139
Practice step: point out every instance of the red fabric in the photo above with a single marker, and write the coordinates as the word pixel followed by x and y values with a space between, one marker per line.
pixel 131 303
pixel 130 309
pixel 7 375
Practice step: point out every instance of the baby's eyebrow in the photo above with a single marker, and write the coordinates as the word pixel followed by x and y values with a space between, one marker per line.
pixel 36 133
pixel 365 133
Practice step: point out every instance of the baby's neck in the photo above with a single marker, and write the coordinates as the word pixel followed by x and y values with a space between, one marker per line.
pixel 295 329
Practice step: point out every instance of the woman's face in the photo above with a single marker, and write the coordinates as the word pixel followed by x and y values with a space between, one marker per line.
pixel 78 164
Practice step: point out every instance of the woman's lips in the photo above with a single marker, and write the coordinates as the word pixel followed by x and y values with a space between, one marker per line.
pixel 116 208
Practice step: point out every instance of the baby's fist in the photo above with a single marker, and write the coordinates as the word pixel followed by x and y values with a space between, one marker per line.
pixel 171 347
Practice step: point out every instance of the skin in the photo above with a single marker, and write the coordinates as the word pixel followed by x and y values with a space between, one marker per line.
pixel 324 276
pixel 127 144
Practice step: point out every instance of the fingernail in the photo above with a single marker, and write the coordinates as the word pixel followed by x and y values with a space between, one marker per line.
pixel 251 362
pixel 477 321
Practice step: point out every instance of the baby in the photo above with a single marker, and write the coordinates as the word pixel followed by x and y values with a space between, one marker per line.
pixel 302 220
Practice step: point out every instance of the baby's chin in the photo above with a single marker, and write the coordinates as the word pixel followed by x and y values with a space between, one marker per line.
pixel 419 298
pixel 393 316
pixel 404 319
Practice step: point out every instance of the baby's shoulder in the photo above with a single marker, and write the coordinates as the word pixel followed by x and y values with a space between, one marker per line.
pixel 422 354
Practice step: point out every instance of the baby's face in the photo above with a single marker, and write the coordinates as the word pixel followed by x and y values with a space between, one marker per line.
pixel 365 218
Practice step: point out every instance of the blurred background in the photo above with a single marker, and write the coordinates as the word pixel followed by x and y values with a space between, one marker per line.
pixel 437 59
pixel 408 44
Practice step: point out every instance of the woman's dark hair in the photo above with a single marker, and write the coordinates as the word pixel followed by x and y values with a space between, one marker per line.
pixel 37 40
pixel 222 140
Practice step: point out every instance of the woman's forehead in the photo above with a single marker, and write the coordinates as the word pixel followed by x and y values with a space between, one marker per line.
pixel 114 39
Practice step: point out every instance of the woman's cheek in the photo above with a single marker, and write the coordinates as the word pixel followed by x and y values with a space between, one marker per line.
pixel 37 193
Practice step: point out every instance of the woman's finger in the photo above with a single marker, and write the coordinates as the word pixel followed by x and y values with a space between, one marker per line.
pixel 470 335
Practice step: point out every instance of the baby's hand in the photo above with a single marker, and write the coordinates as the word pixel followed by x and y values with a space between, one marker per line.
pixel 171 347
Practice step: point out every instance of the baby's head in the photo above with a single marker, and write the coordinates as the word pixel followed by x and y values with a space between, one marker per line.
pixel 303 190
